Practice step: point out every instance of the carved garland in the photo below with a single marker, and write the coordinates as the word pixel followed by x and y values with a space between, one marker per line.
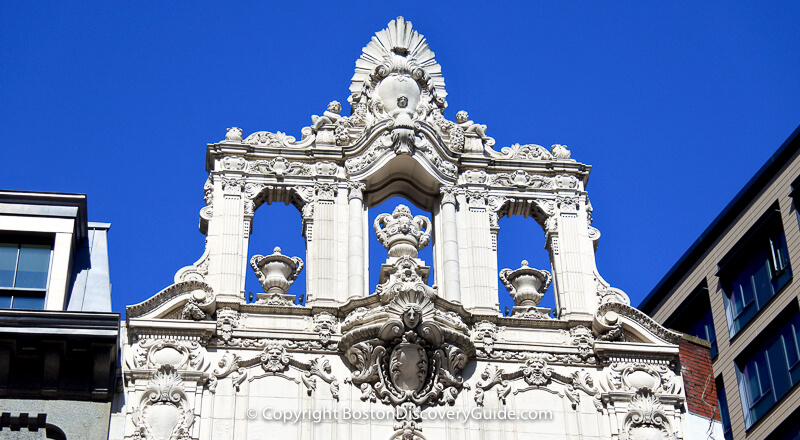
pixel 538 375
pixel 274 361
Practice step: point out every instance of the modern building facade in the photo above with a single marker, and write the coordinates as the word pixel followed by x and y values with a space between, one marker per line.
pixel 58 337
pixel 425 353
pixel 735 288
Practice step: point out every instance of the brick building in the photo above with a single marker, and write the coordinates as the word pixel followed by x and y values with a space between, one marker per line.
pixel 735 289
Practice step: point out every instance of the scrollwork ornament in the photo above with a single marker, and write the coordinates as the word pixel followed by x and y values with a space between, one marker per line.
pixel 280 167
pixel 234 163
pixel 474 177
pixel 566 181
pixel 164 411
pixel 547 206
pixel 538 374
pixel 551 224
pixel 525 152
pixel 497 206
pixel 326 168
pixel 520 178
pixel 271 140
pixel 275 360
pixel 490 377
pixel 646 418
pixel 408 356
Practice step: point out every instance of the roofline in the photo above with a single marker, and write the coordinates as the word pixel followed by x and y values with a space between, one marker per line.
pixel 40 198
pixel 725 218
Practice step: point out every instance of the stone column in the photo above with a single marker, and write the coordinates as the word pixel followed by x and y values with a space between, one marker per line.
pixel 571 253
pixel 355 240
pixel 227 255
pixel 448 235
pixel 478 261
pixel 321 245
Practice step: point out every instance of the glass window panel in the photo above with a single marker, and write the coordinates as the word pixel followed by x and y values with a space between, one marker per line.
pixel 723 411
pixel 751 376
pixel 34 262
pixel 796 326
pixel 790 345
pixel 762 284
pixel 5 302
pixel 772 371
pixel 763 374
pixel 8 263
pixel 28 302
pixel 714 351
pixel 740 291
pixel 763 269
pixel 781 254
pixel 779 371
pixel 745 316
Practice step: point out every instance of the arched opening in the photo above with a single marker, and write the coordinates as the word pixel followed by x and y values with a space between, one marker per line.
pixel 520 239
pixel 405 176
pixel 278 225
pixel 378 254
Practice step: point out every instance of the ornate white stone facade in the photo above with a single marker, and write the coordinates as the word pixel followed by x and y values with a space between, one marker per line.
pixel 199 362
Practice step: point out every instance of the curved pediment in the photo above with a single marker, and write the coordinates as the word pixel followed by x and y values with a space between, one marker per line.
pixel 378 149
pixel 613 317
pixel 191 299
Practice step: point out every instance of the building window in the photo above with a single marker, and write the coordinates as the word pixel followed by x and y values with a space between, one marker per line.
pixel 695 318
pixel 24 269
pixel 768 371
pixel 755 271
pixel 789 429
pixel 724 416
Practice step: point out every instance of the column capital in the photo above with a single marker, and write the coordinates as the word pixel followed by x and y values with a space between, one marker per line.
pixel 325 191
pixel 356 190
pixel 232 185
pixel 448 193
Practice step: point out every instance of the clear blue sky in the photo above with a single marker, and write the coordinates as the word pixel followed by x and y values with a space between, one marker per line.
pixel 675 104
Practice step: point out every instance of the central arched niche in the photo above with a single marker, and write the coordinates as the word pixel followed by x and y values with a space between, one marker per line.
pixel 402 176
pixel 377 254
pixel 400 181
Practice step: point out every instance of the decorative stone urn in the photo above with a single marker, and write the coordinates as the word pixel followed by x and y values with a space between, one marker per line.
pixel 402 234
pixel 276 273
pixel 527 286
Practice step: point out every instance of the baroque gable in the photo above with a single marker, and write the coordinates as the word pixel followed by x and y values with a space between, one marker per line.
pixel 429 335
